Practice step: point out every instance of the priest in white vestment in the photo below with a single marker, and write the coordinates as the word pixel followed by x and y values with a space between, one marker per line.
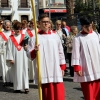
pixel 4 35
pixel 86 60
pixel 16 56
pixel 30 33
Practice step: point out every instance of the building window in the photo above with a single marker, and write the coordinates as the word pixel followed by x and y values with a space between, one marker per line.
pixel 6 17
pixel 24 17
pixel 4 3
pixel 23 3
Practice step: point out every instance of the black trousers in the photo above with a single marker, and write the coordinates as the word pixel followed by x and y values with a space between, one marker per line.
pixel 70 67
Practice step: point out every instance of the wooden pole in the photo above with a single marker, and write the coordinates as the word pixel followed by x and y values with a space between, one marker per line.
pixel 0 29
pixel 38 53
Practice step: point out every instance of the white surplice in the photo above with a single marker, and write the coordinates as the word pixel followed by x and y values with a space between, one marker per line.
pixel 6 73
pixel 86 53
pixel 20 66
pixel 51 57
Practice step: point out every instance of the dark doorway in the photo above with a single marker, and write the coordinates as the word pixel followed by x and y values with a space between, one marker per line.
pixel 24 17
pixel 6 17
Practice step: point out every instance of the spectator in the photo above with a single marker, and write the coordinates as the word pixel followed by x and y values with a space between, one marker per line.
pixel 66 28
pixel 62 34
pixel 69 39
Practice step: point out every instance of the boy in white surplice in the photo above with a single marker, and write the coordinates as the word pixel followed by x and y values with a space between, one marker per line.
pixel 86 60
pixel 51 58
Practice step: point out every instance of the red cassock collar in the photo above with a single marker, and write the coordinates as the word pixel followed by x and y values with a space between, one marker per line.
pixel 43 32
pixel 83 32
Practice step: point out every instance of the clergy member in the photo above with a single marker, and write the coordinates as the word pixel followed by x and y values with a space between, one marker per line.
pixel 6 71
pixel 86 60
pixel 30 32
pixel 52 61
pixel 16 56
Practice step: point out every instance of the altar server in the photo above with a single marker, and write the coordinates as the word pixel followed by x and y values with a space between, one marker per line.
pixel 52 61
pixel 86 60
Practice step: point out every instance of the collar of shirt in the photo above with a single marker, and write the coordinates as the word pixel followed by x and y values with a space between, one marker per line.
pixel 43 32
pixel 83 32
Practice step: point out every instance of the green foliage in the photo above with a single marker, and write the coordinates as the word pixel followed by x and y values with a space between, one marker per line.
pixel 81 7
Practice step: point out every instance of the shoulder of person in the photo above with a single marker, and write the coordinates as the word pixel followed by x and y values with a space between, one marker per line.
pixel 64 32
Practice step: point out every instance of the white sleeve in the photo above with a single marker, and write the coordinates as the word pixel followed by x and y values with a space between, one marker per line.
pixel 9 55
pixel 75 52
pixel 31 45
pixel 61 53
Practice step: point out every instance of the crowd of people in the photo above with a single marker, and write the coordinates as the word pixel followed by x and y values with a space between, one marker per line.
pixel 16 68
pixel 18 52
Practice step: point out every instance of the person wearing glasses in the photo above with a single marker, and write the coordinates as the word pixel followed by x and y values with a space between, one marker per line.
pixel 86 59
pixel 52 60
pixel 69 40
pixel 62 35
pixel 60 31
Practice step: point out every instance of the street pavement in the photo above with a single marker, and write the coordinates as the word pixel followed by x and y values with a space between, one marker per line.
pixel 72 90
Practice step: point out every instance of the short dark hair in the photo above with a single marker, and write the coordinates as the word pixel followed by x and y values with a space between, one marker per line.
pixel 85 20
pixel 17 26
pixel 14 21
pixel 42 16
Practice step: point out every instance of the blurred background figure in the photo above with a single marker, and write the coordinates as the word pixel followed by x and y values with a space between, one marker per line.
pixel 6 71
pixel 30 32
pixel 65 27
pixel 61 32
pixel 69 39
pixel 1 25
pixel 13 22
pixel 62 35
pixel 51 26
pixel 24 26
pixel 1 29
